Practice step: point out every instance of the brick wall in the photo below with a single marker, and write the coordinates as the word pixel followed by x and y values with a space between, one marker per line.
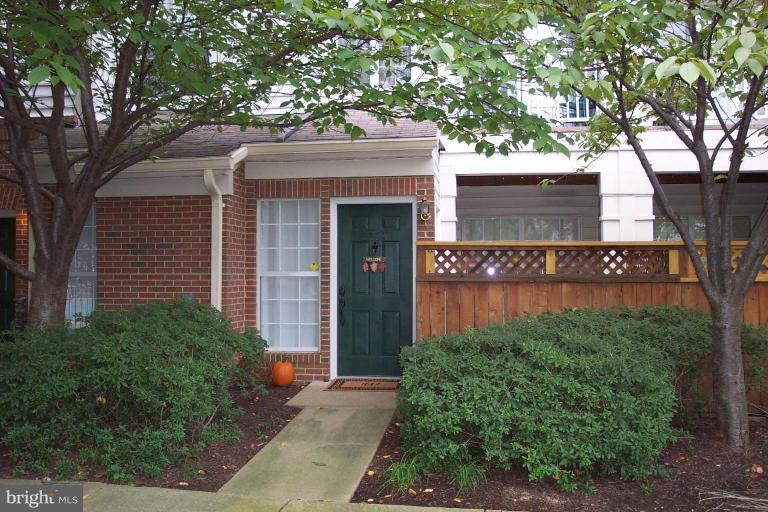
pixel 152 249
pixel 238 224
pixel 316 365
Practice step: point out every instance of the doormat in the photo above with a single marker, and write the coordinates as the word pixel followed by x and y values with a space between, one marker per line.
pixel 363 385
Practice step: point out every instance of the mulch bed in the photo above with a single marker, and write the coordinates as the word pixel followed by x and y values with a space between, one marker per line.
pixel 263 417
pixel 698 465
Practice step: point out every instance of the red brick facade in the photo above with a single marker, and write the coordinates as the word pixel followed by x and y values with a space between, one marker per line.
pixel 316 365
pixel 152 249
pixel 159 248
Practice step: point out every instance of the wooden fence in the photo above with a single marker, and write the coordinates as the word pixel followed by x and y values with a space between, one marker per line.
pixel 462 285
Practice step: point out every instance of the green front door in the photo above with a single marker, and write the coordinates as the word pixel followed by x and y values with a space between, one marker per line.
pixel 374 306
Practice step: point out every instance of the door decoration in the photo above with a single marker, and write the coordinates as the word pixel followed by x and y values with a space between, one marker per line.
pixel 374 263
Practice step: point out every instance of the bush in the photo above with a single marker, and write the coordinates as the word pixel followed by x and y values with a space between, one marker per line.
pixel 128 393
pixel 563 394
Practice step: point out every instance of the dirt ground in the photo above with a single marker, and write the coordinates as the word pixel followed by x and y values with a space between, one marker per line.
pixel 696 466
pixel 263 417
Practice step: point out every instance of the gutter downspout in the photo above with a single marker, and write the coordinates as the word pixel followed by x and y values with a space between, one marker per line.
pixel 217 235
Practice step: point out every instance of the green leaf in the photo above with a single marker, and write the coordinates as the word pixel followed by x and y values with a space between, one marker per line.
pixel 388 32
pixel 741 55
pixel 689 72
pixel 356 132
pixel 755 66
pixel 448 49
pixel 39 74
pixel 663 70
pixel 747 39
pixel 706 70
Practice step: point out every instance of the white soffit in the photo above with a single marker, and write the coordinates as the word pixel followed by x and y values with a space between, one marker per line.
pixel 342 159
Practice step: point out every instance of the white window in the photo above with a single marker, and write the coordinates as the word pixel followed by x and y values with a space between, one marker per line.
pixel 576 110
pixel 540 228
pixel 289 275
pixel 81 290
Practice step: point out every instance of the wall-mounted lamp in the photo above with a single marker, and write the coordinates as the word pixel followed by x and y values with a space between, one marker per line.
pixel 423 209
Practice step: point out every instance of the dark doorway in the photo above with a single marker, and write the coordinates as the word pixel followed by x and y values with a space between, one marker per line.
pixel 7 280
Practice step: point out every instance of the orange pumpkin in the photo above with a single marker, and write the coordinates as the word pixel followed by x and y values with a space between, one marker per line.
pixel 283 374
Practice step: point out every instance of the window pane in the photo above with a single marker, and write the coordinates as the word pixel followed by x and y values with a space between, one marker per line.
pixel 509 228
pixel 741 226
pixel 472 229
pixel 269 260
pixel 289 336
pixel 308 335
pixel 550 228
pixel 306 258
pixel 664 230
pixel 309 313
pixel 289 211
pixel 289 312
pixel 310 212
pixel 289 261
pixel 270 212
pixel 269 236
pixel 309 236
pixel 490 229
pixel 699 227
pixel 569 229
pixel 81 288
pixel 310 288
pixel 289 236
pixel 533 228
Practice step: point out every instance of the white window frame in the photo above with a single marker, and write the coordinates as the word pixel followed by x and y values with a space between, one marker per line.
pixel 299 274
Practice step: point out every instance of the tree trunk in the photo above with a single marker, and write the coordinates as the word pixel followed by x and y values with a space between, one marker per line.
pixel 48 296
pixel 728 372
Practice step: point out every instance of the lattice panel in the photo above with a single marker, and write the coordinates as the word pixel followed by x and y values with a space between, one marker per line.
pixel 490 262
pixel 611 261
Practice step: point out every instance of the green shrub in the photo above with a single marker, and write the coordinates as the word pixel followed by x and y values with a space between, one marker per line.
pixel 562 394
pixel 128 393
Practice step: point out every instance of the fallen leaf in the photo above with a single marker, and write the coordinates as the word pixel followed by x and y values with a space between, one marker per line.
pixel 371 473
pixel 370 500
pixel 200 471
pixel 412 492
pixel 385 456
pixel 457 500
pixel 183 484
pixel 282 444
pixel 319 463
pixel 757 469
pixel 429 490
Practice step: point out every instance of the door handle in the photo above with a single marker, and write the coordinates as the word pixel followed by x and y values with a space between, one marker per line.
pixel 342 303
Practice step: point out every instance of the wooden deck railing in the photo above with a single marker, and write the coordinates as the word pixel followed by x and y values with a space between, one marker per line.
pixel 572 261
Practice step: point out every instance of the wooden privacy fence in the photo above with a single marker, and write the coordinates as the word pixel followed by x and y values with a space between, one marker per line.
pixel 474 284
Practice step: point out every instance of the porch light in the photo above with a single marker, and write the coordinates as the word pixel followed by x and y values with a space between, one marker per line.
pixel 423 209
pixel 491 271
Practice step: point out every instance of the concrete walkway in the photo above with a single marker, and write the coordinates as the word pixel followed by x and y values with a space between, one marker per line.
pixel 323 452
pixel 313 465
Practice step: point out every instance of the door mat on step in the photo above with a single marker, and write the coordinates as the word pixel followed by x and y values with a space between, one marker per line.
pixel 363 385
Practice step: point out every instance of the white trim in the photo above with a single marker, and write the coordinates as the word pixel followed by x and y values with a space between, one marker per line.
pixel 335 202
pixel 345 146
pixel 217 236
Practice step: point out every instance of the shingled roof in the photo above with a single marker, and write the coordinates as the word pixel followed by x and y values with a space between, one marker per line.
pixel 211 141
